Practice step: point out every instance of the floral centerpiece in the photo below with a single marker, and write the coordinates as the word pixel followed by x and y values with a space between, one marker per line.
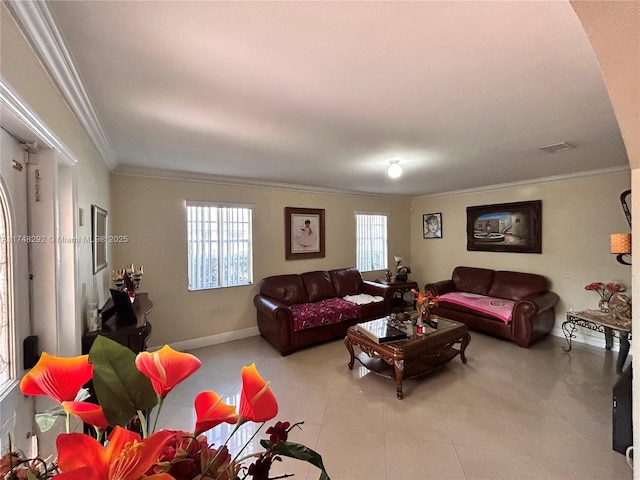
pixel 402 272
pixel 128 388
pixel 425 302
pixel 606 291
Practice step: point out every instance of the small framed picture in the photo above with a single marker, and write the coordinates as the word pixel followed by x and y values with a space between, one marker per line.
pixel 432 225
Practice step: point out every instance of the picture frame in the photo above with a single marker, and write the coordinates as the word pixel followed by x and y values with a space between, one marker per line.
pixel 99 237
pixel 432 225
pixel 304 233
pixel 505 227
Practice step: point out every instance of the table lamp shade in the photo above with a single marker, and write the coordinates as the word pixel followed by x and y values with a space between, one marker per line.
pixel 621 243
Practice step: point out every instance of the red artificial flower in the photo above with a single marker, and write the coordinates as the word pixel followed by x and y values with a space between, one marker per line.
pixel 88 413
pixel 614 287
pixel 594 286
pixel 126 457
pixel 257 401
pixel 166 368
pixel 212 411
pixel 59 378
pixel 279 432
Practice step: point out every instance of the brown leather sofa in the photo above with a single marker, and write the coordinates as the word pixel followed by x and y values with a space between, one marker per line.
pixel 533 314
pixel 316 294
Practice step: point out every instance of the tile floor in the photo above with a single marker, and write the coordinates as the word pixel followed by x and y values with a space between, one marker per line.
pixel 510 413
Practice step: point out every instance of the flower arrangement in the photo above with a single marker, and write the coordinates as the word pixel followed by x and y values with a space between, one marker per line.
pixel 402 272
pixel 426 299
pixel 128 388
pixel 605 291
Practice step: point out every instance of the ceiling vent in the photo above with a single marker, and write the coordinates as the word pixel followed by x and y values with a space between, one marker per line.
pixel 557 147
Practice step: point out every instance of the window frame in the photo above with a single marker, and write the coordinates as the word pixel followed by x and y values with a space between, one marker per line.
pixel 9 382
pixel 222 242
pixel 383 254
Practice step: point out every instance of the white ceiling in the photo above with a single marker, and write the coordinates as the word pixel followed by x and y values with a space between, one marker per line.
pixel 325 94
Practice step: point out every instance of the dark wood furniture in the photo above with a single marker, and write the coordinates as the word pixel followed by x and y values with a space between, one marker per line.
pixel 417 355
pixel 134 336
pixel 400 289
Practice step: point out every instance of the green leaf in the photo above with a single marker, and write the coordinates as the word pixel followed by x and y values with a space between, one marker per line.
pixel 296 450
pixel 121 388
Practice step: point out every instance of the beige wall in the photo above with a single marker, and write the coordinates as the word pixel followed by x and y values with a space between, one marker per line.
pixel 152 213
pixel 21 68
pixel 577 217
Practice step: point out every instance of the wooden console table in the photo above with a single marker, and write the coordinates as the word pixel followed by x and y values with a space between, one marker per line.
pixel 398 303
pixel 601 322
pixel 134 336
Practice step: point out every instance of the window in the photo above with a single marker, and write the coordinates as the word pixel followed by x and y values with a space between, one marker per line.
pixel 371 238
pixel 219 245
pixel 6 334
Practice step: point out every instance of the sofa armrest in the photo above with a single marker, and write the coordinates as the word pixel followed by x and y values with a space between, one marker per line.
pixel 378 289
pixel 533 317
pixel 268 305
pixel 537 303
pixel 440 288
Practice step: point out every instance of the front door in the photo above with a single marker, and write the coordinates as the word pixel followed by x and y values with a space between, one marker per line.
pixel 16 411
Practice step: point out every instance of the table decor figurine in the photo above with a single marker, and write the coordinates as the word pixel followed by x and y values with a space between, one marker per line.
pixel 605 292
pixel 128 387
pixel 388 275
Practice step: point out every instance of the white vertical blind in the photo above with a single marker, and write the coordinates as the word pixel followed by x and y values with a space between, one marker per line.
pixel 219 245
pixel 371 242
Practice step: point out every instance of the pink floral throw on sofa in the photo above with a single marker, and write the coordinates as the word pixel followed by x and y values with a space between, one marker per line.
pixel 495 307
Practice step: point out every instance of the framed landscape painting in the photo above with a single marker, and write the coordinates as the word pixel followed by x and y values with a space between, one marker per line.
pixel 505 227
pixel 304 233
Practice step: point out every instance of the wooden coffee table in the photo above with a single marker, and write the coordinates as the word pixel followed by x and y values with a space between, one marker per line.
pixel 417 355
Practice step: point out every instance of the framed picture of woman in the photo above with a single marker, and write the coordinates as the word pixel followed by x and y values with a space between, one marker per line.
pixel 304 233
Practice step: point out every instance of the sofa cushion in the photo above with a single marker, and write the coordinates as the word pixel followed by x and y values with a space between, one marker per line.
pixel 318 285
pixel 287 289
pixel 324 312
pixel 473 280
pixel 517 285
pixel 346 281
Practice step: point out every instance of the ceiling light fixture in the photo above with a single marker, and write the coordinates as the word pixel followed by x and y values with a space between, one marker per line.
pixel 395 169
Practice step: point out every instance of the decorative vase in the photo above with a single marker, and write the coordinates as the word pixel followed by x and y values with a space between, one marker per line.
pixel 402 278
pixel 603 305
pixel 423 313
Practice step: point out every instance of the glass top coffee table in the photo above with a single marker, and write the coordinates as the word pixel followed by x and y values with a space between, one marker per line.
pixel 416 355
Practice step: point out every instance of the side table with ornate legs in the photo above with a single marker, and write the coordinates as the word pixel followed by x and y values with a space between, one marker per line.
pixel 604 323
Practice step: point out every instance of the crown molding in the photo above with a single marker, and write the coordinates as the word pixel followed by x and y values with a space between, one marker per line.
pixel 164 174
pixel 555 178
pixel 17 107
pixel 40 29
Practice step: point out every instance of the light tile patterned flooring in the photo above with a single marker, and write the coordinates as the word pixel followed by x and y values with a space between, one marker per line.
pixel 510 413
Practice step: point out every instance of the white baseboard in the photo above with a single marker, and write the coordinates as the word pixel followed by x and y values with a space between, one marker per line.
pixel 587 339
pixel 211 340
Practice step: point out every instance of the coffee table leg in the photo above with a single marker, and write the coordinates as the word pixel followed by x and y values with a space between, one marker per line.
pixel 349 346
pixel 398 367
pixel 463 346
